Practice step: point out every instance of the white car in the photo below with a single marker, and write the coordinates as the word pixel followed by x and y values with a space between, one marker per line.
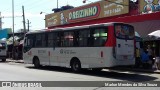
pixel 3 50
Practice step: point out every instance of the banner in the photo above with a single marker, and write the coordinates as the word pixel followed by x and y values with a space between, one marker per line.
pixel 35 84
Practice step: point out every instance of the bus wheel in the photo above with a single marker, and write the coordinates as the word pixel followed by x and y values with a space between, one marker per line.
pixel 36 63
pixel 76 66
pixel 3 60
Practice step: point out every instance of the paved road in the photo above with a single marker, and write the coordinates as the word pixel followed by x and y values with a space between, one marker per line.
pixel 11 71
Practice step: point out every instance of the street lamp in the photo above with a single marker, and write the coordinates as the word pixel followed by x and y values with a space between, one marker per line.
pixel 84 1
pixel 45 17
pixel 43 12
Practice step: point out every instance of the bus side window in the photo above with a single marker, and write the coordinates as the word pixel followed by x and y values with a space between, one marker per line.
pixel 38 40
pixel 50 40
pixel 53 40
pixel 61 35
pixel 58 39
pixel 103 36
pixel 43 40
pixel 84 36
pixel 68 39
pixel 76 39
pixel 28 43
pixel 100 36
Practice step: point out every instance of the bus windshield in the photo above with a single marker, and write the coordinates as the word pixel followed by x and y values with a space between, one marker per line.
pixel 124 31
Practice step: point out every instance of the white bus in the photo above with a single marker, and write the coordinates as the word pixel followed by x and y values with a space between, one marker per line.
pixel 91 46
pixel 3 50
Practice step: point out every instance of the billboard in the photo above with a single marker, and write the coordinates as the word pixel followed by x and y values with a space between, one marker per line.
pixel 101 9
pixel 3 33
pixel 149 6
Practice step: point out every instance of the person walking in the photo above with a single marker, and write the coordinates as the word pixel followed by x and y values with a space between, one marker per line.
pixel 157 62
pixel 137 62
pixel 150 53
pixel 146 62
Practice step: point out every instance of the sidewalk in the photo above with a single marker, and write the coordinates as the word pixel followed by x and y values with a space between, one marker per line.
pixel 16 61
pixel 133 69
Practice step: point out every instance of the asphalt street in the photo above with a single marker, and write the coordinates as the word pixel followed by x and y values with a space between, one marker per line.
pixel 11 71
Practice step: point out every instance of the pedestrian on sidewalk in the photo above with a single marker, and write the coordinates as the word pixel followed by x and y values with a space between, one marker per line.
pixel 138 61
pixel 146 62
pixel 150 53
pixel 157 62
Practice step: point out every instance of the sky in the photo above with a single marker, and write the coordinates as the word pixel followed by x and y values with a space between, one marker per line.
pixel 32 9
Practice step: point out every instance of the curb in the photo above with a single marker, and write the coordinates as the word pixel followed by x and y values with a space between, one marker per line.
pixel 138 70
pixel 16 61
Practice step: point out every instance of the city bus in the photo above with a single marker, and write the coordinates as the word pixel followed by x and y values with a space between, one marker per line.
pixel 3 50
pixel 93 47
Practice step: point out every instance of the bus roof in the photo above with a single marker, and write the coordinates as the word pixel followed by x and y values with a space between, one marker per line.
pixel 74 27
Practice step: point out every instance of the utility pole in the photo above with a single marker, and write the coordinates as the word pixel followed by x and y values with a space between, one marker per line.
pixel 24 25
pixel 28 24
pixel 57 4
pixel 13 49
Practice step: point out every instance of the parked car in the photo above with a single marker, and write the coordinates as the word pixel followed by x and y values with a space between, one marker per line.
pixel 3 50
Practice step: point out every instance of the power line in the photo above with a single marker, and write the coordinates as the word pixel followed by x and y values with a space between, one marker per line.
pixel 32 3
pixel 27 4
pixel 19 3
pixel 10 16
pixel 36 5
